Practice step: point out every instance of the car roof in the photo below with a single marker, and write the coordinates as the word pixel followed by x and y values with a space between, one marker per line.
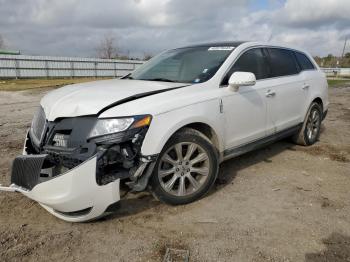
pixel 217 44
pixel 235 44
pixel 238 43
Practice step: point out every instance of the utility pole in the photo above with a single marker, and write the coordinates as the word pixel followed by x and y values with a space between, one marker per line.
pixel 342 55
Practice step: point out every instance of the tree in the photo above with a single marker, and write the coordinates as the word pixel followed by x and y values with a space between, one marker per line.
pixel 2 44
pixel 107 48
pixel 318 60
pixel 347 55
pixel 147 56
pixel 329 57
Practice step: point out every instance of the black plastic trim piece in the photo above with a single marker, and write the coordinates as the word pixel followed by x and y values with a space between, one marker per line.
pixel 113 207
pixel 77 213
pixel 324 114
pixel 151 158
pixel 236 151
pixel 26 170
pixel 142 182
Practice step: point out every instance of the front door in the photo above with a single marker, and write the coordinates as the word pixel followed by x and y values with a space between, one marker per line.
pixel 245 115
pixel 245 110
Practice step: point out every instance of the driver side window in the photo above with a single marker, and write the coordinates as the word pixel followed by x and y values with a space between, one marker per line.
pixel 254 61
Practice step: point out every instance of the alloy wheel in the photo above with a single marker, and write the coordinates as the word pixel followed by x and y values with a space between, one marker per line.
pixel 313 125
pixel 183 169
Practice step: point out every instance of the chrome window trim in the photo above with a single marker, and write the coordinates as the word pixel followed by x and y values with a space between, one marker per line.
pixel 268 78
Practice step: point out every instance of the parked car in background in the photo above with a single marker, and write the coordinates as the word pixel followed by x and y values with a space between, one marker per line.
pixel 167 126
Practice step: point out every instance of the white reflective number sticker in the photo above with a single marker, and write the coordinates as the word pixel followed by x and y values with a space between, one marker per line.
pixel 221 48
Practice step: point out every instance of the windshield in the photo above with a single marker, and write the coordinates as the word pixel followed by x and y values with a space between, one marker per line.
pixel 185 65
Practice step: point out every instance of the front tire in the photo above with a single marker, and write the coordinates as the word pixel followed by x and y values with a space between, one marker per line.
pixel 310 131
pixel 185 169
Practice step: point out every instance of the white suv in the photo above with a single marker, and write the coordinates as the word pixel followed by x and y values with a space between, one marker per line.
pixel 166 126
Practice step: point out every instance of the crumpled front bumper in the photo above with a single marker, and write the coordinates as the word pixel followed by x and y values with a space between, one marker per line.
pixel 73 196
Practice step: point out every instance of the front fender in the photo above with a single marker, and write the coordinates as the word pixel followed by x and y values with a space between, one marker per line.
pixel 164 125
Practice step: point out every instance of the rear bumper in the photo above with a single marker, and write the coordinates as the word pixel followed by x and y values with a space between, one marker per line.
pixel 73 196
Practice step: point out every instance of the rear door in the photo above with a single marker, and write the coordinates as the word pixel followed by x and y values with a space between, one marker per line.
pixel 309 74
pixel 286 96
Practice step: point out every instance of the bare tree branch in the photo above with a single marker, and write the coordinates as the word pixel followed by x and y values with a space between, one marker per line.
pixel 107 48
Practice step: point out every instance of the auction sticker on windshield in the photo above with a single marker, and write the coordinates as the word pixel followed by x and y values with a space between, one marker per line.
pixel 221 48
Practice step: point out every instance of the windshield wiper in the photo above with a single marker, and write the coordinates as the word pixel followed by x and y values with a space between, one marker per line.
pixel 160 79
pixel 128 76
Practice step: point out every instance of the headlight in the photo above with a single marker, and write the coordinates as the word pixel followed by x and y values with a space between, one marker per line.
pixel 112 126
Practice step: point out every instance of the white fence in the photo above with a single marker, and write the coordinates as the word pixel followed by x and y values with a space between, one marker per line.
pixel 336 71
pixel 22 66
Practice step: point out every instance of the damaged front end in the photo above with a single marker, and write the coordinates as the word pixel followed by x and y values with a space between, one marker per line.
pixel 75 167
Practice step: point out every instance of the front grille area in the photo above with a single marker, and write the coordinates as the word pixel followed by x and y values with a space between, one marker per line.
pixel 60 140
pixel 38 126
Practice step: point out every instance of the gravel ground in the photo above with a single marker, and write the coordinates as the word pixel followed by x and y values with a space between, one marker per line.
pixel 280 203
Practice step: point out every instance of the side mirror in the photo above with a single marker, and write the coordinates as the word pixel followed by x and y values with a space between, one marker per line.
pixel 238 79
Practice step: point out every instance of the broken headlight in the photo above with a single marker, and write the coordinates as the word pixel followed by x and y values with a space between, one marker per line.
pixel 109 129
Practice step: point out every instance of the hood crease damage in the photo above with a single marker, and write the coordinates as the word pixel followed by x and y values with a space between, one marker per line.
pixel 137 96
pixel 96 97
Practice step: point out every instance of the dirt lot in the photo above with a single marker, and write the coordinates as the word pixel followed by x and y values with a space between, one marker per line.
pixel 27 84
pixel 281 203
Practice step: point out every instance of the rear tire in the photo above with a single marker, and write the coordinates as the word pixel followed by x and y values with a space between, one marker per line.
pixel 185 169
pixel 310 131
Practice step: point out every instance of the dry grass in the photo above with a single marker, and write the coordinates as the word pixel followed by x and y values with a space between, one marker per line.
pixel 338 82
pixel 26 84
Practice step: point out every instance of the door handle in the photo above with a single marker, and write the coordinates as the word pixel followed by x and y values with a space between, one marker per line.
pixel 305 87
pixel 270 93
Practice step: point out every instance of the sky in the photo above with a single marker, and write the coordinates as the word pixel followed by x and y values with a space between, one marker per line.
pixel 139 27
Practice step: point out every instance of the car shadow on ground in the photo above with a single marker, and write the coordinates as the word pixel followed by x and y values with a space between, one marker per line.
pixel 131 206
pixel 337 249
pixel 230 168
pixel 228 171
pixel 138 203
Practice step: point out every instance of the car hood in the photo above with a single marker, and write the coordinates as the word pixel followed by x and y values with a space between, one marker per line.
pixel 93 97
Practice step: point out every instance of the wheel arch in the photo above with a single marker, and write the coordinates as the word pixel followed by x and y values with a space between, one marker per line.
pixel 205 127
pixel 319 101
pixel 206 130
pixel 316 99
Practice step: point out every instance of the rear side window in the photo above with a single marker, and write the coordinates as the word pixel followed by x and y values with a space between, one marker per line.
pixel 304 61
pixel 282 62
pixel 253 61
